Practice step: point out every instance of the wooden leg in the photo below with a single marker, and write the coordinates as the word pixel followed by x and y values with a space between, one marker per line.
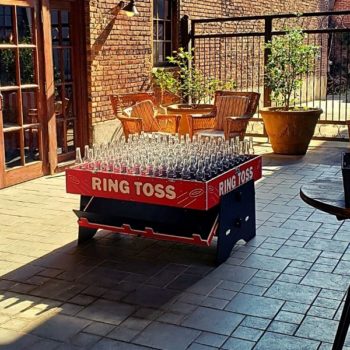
pixel 236 220
pixel 85 234
pixel 343 325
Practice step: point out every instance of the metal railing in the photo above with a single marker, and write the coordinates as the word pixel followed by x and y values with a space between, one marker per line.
pixel 234 48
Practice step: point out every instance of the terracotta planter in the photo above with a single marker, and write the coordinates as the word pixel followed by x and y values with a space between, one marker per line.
pixel 185 110
pixel 290 132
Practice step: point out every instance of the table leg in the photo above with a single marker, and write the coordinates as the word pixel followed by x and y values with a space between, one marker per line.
pixel 84 233
pixel 343 325
pixel 236 220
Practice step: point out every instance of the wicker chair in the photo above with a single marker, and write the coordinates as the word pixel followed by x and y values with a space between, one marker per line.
pixel 230 116
pixel 137 113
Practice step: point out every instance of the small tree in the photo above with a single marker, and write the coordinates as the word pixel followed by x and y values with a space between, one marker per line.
pixel 289 61
pixel 186 81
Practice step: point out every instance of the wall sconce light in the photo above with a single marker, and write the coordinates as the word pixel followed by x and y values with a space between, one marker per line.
pixel 129 9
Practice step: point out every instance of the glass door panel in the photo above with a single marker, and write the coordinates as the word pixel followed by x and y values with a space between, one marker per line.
pixel 65 104
pixel 27 66
pixel 7 66
pixel 13 156
pixel 6 25
pixel 20 120
pixel 30 107
pixel 25 25
pixel 10 109
pixel 31 142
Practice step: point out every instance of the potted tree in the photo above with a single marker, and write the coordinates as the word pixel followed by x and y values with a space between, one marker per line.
pixel 289 128
pixel 189 85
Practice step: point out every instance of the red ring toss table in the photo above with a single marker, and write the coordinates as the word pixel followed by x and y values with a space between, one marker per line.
pixel 185 211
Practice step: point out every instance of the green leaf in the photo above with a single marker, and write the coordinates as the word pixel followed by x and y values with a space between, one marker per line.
pixel 187 81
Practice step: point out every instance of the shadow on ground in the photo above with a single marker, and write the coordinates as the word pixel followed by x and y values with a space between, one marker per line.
pixel 113 283
pixel 282 290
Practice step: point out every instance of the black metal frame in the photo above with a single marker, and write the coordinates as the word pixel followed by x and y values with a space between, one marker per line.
pixel 235 215
pixel 206 34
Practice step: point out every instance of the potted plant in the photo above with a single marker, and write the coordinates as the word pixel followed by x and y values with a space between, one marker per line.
pixel 189 85
pixel 288 127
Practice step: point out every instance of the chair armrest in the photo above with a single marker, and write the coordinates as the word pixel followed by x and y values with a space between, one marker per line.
pixel 168 116
pixel 241 117
pixel 161 109
pixel 169 122
pixel 199 122
pixel 129 119
pixel 236 125
pixel 131 125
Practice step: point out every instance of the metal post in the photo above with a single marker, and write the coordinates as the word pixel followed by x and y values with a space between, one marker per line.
pixel 267 52
pixel 190 48
pixel 192 35
pixel 184 32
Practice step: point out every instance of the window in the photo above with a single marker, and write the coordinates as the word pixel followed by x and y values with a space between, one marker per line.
pixel 163 30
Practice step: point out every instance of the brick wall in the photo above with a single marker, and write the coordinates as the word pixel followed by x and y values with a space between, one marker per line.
pixel 120 49
pixel 341 5
pixel 203 8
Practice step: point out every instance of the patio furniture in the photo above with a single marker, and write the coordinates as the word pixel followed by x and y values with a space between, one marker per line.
pixel 327 194
pixel 137 113
pixel 230 116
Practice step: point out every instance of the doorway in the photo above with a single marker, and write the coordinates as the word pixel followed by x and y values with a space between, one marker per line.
pixel 43 93
pixel 68 63
pixel 21 122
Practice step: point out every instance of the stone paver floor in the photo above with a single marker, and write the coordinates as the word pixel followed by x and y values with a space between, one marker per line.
pixel 282 290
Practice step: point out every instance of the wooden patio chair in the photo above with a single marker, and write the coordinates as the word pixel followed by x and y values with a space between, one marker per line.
pixel 137 113
pixel 230 116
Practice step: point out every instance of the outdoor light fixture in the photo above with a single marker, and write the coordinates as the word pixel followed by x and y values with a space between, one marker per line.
pixel 129 9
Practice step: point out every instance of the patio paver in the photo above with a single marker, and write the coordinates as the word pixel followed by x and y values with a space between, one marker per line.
pixel 282 290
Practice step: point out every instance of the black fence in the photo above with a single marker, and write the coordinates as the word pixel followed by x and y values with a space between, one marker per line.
pixel 233 48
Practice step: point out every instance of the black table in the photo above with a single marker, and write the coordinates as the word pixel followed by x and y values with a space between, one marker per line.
pixel 327 194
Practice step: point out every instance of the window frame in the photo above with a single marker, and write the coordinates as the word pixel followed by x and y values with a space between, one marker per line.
pixel 174 33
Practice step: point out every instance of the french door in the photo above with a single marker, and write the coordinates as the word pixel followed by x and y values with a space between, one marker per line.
pixel 43 93
pixel 21 88
pixel 66 62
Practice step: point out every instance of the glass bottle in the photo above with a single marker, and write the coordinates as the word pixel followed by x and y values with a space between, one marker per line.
pixel 91 165
pixel 207 169
pixel 86 154
pixel 193 167
pixel 149 169
pixel 251 146
pixel 156 170
pixel 178 167
pixel 171 173
pixel 186 173
pixel 226 161
pixel 163 169
pixel 104 166
pixel 78 158
pixel 214 165
pixel 123 167
pixel 117 167
pixel 136 167
pixel 200 174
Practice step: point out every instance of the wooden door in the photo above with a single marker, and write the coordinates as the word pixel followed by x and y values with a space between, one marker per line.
pixel 68 63
pixel 21 87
